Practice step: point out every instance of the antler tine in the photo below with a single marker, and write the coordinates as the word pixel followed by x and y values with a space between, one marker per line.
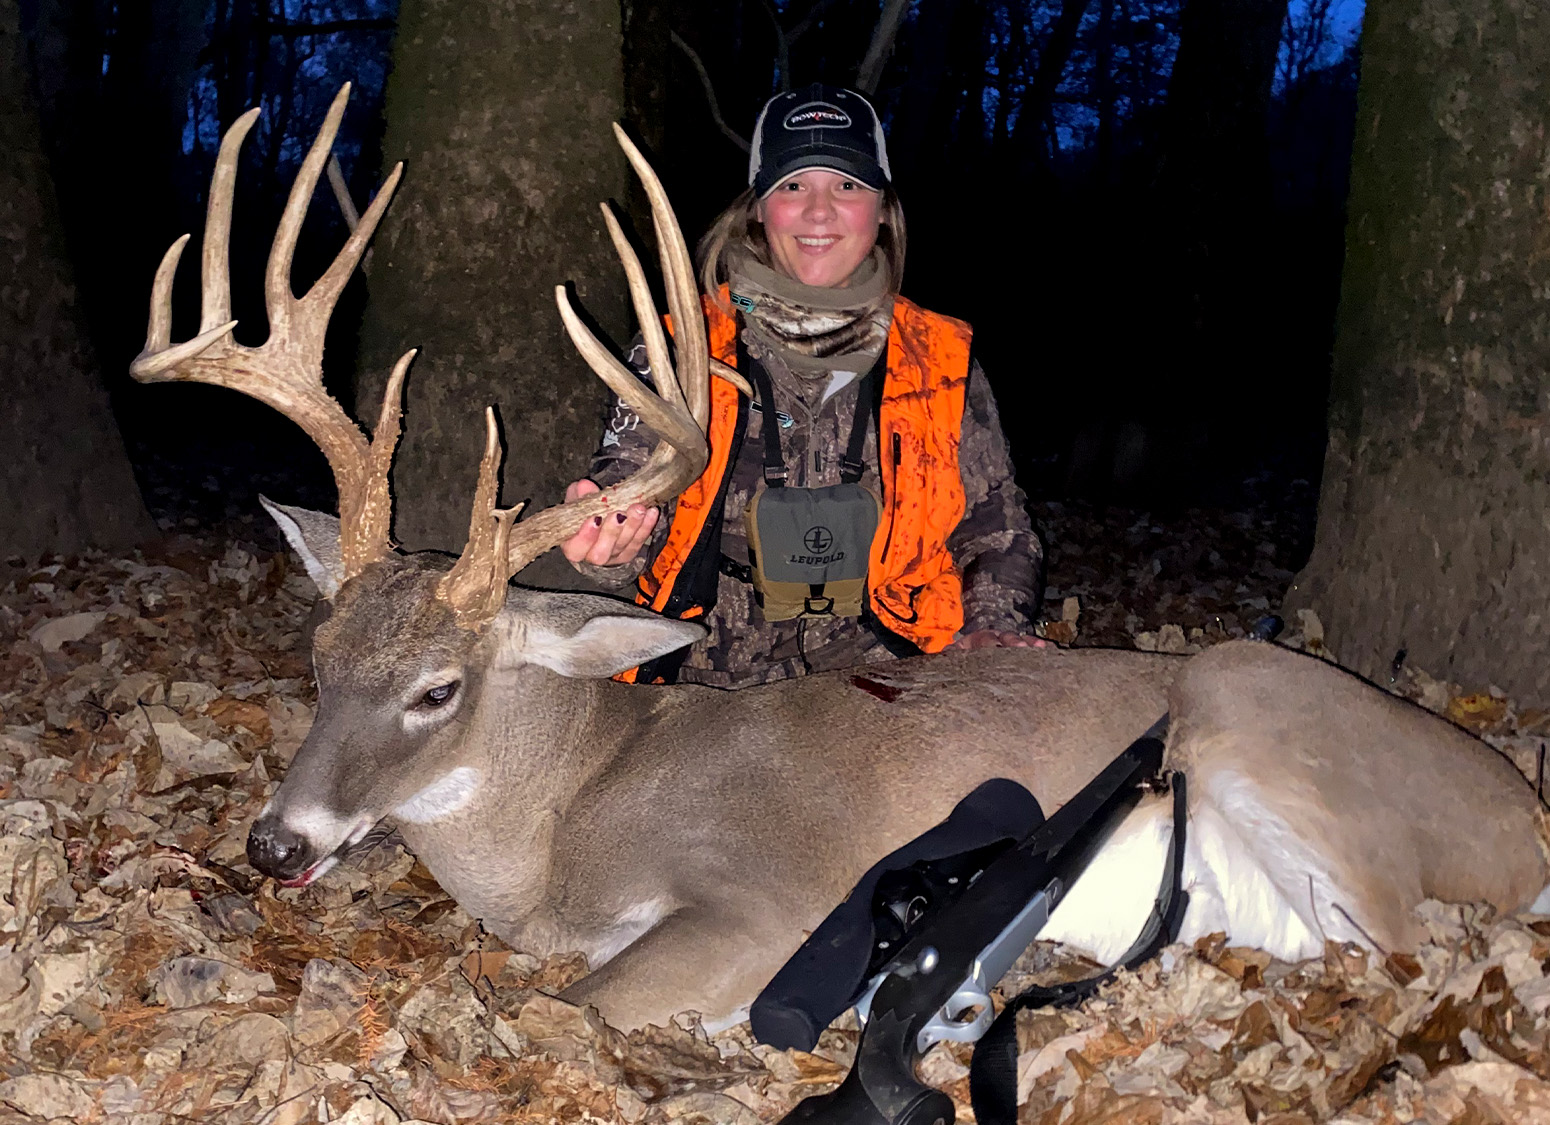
pixel 159 354
pixel 475 587
pixel 372 516
pixel 683 298
pixel 215 272
pixel 678 414
pixel 279 301
pixel 286 372
pixel 645 312
pixel 671 422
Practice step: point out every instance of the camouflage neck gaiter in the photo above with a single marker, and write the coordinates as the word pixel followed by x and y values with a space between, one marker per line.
pixel 816 330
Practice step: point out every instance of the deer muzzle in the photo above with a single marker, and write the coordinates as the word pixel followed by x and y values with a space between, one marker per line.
pixel 278 852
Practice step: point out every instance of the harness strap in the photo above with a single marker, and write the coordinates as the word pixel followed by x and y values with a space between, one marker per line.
pixel 868 397
pixel 993 1069
pixel 774 462
pixel 852 467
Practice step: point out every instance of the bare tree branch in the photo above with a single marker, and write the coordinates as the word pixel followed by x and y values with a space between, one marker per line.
pixel 877 52
pixel 807 22
pixel 727 131
pixel 782 46
pixel 352 217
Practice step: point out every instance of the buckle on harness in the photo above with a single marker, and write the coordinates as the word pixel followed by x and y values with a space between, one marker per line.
pixel 742 572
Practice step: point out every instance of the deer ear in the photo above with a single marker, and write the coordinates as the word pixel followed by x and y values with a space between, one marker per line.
pixel 585 636
pixel 315 537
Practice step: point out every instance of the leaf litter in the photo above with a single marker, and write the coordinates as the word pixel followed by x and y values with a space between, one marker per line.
pixel 148 975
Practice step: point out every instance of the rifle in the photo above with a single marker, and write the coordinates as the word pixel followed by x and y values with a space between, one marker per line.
pixel 939 928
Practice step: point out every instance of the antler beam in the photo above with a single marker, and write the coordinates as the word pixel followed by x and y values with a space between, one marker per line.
pixel 286 371
pixel 677 413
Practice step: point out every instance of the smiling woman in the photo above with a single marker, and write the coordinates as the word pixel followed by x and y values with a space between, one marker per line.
pixel 873 432
pixel 820 226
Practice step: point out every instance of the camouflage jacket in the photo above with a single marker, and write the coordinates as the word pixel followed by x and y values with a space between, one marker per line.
pixel 994 545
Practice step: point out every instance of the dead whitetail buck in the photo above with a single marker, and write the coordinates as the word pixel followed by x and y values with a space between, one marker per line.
pixel 684 838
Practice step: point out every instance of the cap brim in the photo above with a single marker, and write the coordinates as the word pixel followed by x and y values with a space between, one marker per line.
pixel 844 161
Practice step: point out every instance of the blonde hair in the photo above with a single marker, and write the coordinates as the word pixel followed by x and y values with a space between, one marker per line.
pixel 739 226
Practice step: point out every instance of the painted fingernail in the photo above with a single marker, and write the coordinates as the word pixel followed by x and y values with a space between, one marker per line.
pixel 619 517
pixel 597 521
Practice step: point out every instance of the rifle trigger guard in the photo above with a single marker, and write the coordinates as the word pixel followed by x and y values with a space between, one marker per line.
pixel 946 1024
pixel 993 963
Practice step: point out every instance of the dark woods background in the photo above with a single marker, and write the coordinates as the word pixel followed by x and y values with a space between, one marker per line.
pixel 1138 203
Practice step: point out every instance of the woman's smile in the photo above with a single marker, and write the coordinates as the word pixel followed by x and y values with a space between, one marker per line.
pixel 820 225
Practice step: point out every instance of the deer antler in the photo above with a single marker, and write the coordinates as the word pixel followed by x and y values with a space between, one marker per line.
pixel 286 371
pixel 678 413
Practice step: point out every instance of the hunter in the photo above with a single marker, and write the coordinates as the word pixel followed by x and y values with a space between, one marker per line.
pixel 801 548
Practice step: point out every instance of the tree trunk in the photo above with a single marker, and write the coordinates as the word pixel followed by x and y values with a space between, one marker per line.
pixel 1218 103
pixel 1034 123
pixel 1214 188
pixel 922 103
pixel 1433 537
pixel 502 111
pixel 64 471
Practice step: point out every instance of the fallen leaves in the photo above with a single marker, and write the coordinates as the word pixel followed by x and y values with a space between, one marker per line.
pixel 148 975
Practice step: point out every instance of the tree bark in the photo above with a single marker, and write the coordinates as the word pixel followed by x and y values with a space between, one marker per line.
pixel 1433 536
pixel 64 471
pixel 502 111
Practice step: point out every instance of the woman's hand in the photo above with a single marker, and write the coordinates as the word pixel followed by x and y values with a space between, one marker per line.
pixel 608 540
pixel 989 638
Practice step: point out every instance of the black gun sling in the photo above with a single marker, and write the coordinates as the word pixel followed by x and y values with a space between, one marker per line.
pixel 993 1069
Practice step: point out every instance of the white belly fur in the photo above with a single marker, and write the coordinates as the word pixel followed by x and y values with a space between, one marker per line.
pixel 1247 873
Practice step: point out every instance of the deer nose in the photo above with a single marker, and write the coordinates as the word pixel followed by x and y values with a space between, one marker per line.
pixel 274 848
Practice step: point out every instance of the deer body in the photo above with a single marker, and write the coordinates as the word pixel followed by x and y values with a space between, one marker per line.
pixel 686 838
pixel 764 804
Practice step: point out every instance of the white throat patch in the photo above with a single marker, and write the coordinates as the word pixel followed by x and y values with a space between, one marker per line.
pixel 440 798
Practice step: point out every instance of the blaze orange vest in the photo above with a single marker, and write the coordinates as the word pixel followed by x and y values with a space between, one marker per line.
pixel 914 588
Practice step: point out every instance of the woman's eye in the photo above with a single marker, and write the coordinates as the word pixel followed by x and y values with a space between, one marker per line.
pixel 438 695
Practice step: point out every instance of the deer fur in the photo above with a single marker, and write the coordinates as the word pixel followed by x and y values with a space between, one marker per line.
pixel 686 838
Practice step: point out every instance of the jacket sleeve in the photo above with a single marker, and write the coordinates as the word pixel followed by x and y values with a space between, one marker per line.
pixel 626 444
pixel 994 545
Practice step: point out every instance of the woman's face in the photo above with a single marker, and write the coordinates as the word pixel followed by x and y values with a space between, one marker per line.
pixel 820 226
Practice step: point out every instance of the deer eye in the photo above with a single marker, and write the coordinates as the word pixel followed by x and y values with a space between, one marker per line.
pixel 438 695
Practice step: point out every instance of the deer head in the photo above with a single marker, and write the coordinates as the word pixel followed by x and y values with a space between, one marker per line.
pixel 413 640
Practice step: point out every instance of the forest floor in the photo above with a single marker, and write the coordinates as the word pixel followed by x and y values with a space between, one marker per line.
pixel 148 705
